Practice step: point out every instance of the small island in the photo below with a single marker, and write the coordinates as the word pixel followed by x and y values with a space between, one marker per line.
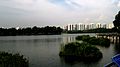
pixel 12 60
pixel 94 41
pixel 82 51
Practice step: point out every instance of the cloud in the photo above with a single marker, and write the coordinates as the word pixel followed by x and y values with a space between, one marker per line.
pixel 57 12
pixel 116 2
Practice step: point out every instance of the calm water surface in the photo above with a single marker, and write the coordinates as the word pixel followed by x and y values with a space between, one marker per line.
pixel 43 51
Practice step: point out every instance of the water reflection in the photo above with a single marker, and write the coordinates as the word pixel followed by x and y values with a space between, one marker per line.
pixel 113 39
pixel 116 41
pixel 68 39
pixel 117 45
pixel 75 60
pixel 43 51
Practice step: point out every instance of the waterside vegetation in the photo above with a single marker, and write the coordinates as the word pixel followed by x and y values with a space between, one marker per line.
pixel 82 51
pixel 31 31
pixel 13 60
pixel 96 30
pixel 94 41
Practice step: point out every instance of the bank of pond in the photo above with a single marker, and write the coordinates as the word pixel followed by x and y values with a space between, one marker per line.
pixel 84 49
pixel 13 60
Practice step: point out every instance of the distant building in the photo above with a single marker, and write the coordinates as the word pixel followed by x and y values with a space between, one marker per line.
pixel 98 25
pixel 92 26
pixel 104 26
pixel 110 26
pixel 81 26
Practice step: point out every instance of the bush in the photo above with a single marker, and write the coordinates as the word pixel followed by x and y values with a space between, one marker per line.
pixel 12 60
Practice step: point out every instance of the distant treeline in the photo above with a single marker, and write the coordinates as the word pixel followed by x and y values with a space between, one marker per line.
pixel 31 31
pixel 97 30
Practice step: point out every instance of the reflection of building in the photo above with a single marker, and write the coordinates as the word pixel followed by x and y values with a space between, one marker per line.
pixel 68 39
pixel 82 26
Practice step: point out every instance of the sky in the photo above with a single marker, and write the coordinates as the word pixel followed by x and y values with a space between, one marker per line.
pixel 29 13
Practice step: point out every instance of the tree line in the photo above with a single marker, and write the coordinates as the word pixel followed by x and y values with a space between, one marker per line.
pixel 97 30
pixel 31 31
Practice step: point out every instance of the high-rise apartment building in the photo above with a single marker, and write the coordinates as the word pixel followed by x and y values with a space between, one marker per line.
pixel 81 26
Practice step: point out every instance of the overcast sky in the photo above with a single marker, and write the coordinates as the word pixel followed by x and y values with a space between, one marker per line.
pixel 24 13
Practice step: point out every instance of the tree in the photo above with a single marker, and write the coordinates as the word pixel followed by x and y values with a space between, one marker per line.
pixel 116 22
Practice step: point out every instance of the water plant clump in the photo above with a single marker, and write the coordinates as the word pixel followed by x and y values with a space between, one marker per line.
pixel 12 60
pixel 94 41
pixel 82 51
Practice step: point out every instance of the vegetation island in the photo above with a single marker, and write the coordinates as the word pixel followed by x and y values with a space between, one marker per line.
pixel 80 51
pixel 84 48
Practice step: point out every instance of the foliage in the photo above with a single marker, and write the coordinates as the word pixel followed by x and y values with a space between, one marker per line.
pixel 12 60
pixel 30 31
pixel 83 51
pixel 94 41
pixel 74 31
pixel 116 22
pixel 97 30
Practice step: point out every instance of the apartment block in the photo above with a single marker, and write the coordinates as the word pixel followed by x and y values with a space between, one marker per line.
pixel 82 26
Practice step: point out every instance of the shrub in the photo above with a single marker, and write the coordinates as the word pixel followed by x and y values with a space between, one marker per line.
pixel 12 60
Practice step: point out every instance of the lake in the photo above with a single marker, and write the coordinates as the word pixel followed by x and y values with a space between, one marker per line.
pixel 43 50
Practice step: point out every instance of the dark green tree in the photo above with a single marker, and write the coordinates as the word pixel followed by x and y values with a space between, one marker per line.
pixel 116 23
pixel 48 30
